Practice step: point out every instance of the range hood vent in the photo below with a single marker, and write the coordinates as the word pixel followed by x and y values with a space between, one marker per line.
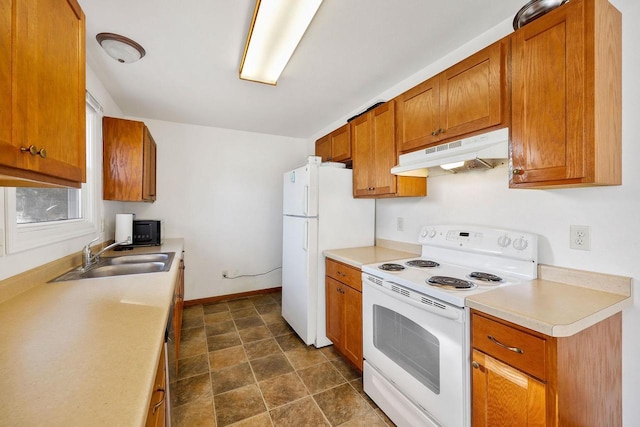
pixel 473 153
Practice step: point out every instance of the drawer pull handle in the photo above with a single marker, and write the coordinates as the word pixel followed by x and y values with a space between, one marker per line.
pixel 341 274
pixel 496 342
pixel 159 404
pixel 475 365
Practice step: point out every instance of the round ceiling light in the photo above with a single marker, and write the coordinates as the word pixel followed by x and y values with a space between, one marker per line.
pixel 120 48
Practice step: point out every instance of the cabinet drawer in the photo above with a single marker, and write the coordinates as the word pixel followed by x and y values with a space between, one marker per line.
pixel 517 348
pixel 348 275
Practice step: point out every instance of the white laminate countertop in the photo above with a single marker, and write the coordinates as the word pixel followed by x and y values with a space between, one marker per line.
pixel 357 257
pixel 85 352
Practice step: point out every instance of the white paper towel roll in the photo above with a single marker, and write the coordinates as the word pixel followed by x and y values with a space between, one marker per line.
pixel 124 227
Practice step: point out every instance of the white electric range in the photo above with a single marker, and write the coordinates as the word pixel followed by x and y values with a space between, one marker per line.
pixel 415 324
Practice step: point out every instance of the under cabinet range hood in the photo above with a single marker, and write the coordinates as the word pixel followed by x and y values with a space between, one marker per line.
pixel 476 152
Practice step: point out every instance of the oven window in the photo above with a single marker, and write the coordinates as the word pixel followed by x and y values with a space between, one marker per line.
pixel 413 348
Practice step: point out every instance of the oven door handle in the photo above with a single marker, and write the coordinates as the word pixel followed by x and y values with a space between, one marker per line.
pixel 449 312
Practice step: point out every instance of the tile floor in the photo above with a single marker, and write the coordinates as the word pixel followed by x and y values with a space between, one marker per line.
pixel 242 365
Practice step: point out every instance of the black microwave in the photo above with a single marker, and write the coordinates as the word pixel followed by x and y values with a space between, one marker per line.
pixel 147 232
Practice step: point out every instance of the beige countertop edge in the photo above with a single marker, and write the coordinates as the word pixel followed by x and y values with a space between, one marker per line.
pixel 357 257
pixel 57 370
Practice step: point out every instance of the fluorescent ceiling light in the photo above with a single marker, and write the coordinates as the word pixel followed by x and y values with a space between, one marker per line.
pixel 276 30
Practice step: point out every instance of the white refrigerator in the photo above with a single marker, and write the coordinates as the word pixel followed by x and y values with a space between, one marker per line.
pixel 319 213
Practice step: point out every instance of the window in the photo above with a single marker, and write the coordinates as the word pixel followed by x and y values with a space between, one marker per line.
pixel 41 216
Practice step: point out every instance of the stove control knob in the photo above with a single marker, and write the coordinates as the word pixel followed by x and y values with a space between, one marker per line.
pixel 423 233
pixel 432 233
pixel 520 244
pixel 504 241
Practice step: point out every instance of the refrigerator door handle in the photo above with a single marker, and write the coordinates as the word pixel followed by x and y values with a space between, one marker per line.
pixel 305 238
pixel 305 201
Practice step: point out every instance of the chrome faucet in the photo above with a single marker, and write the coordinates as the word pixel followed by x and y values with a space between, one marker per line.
pixel 88 259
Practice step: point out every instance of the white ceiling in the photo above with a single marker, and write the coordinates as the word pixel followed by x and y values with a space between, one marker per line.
pixel 353 51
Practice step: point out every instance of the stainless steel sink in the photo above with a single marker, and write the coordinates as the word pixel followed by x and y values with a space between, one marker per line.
pixel 122 265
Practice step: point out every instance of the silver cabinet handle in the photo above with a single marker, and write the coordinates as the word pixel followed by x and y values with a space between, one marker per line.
pixel 514 349
pixel 475 365
pixel 159 404
pixel 518 171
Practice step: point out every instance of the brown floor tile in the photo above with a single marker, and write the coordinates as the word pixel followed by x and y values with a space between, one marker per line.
pixel 215 307
pixel 273 317
pixel 218 342
pixel 239 304
pixel 192 311
pixel 321 377
pixel 262 420
pixel 269 308
pixel 193 322
pixel 220 328
pixel 192 389
pixel 282 389
pixel 357 385
pixel 304 357
pixel 192 366
pixel 257 349
pixel 254 334
pixel 223 316
pixel 244 312
pixel 277 296
pixel 368 419
pixel 300 413
pixel 197 413
pixel 346 369
pixel 270 366
pixel 192 342
pixel 248 322
pixel 290 342
pixel 340 404
pixel 224 358
pixel 238 404
pixel 227 379
pixel 330 352
pixel 262 299
pixel 279 329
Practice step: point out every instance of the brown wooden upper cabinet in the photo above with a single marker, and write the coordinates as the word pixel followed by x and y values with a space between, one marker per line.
pixel 129 161
pixel 470 96
pixel 374 154
pixel 42 93
pixel 336 146
pixel 567 90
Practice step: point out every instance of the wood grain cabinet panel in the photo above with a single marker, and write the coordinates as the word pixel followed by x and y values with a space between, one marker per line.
pixel 344 310
pixel 42 93
pixel 526 378
pixel 374 154
pixel 157 407
pixel 566 124
pixel 336 146
pixel 129 161
pixel 469 97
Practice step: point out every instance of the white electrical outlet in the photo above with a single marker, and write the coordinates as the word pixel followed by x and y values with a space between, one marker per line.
pixel 400 224
pixel 580 236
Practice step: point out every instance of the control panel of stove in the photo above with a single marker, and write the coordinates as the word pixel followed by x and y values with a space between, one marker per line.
pixel 511 243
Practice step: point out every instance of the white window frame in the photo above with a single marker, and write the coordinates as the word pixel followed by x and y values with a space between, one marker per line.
pixel 22 237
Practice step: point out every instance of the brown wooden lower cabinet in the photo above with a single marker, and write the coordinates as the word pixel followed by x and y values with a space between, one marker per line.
pixel 178 298
pixel 525 378
pixel 157 406
pixel 344 310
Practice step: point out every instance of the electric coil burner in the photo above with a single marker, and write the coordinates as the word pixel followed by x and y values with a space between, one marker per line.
pixel 451 282
pixel 485 277
pixel 422 263
pixel 390 267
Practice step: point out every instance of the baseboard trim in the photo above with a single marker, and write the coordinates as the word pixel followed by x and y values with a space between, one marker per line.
pixel 219 298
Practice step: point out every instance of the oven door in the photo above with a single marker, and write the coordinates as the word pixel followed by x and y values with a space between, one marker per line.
pixel 418 345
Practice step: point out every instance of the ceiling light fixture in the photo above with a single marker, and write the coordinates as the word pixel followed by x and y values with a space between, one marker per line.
pixel 276 30
pixel 120 48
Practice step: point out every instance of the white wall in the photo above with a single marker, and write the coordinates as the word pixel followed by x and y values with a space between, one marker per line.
pixel 222 191
pixel 612 212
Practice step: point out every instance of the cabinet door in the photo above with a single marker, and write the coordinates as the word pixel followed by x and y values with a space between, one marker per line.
pixel 504 396
pixel 157 406
pixel 334 309
pixel 384 149
pixel 323 148
pixel 48 108
pixel 8 153
pixel 353 325
pixel 472 92
pixel 341 144
pixel 149 168
pixel 362 155
pixel 177 311
pixel 548 100
pixel 418 116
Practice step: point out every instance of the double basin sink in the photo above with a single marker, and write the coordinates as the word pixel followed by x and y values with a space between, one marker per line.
pixel 121 265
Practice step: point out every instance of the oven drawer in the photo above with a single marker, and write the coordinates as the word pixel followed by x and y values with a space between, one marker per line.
pixel 346 274
pixel 516 347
